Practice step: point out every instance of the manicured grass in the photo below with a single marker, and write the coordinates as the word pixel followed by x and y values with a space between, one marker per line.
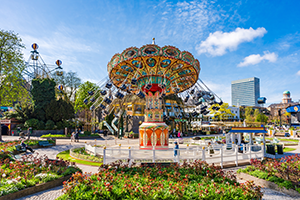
pixel 282 139
pixel 287 149
pixel 65 155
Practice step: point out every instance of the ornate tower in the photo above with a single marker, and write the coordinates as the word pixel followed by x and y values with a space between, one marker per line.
pixel 286 97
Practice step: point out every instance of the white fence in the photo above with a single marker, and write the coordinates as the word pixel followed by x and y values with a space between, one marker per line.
pixel 220 154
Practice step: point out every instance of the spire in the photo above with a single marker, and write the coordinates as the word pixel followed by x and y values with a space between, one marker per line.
pixel 153 40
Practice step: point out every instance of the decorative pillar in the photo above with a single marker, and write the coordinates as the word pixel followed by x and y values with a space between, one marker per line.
pixel 157 133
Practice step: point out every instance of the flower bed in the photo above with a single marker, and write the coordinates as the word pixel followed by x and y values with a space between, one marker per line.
pixel 285 172
pixel 30 171
pixel 195 180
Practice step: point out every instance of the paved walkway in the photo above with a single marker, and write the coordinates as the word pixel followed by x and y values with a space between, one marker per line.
pixel 64 144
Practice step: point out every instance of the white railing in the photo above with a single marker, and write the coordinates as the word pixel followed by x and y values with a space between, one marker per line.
pixel 220 155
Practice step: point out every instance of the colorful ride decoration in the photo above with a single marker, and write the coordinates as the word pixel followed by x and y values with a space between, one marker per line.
pixel 60 87
pixel 152 72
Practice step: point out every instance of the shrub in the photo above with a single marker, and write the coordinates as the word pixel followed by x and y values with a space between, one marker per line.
pixel 32 123
pixel 52 135
pixel 41 125
pixel 60 125
pixel 87 132
pixel 49 125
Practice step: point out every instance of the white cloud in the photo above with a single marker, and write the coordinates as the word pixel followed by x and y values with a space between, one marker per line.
pixel 256 58
pixel 298 73
pixel 188 19
pixel 219 42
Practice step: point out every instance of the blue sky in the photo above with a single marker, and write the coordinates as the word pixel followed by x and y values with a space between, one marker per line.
pixel 231 39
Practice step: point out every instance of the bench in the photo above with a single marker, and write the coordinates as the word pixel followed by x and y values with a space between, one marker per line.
pixel 44 143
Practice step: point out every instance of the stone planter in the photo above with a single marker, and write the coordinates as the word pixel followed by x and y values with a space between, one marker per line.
pixel 268 184
pixel 80 137
pixel 36 188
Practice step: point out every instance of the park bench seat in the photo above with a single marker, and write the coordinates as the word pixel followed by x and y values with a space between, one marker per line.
pixel 44 143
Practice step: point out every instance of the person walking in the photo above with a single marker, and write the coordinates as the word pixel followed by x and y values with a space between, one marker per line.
pixel 176 151
pixel 77 135
pixel 73 136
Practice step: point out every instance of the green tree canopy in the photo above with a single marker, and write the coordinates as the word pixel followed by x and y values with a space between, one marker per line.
pixel 261 118
pixel 82 93
pixel 223 113
pixel 43 92
pixel 11 67
pixel 59 110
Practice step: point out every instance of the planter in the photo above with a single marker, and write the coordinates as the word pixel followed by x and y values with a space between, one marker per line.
pixel 279 148
pixel 271 149
pixel 291 144
pixel 36 188
pixel 80 137
pixel 268 184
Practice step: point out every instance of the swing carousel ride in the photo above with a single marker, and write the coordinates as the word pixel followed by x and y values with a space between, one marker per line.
pixel 152 72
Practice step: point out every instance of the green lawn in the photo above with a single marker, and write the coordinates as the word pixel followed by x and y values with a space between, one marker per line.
pixel 282 139
pixel 65 155
pixel 287 149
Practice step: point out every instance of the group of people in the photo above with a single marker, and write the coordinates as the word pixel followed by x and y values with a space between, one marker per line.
pixel 179 134
pixel 75 136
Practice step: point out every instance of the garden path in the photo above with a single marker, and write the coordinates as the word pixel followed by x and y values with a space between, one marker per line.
pixel 64 144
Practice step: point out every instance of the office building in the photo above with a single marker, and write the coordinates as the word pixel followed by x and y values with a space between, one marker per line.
pixel 245 92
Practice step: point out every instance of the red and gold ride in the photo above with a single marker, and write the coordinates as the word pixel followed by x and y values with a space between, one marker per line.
pixel 154 72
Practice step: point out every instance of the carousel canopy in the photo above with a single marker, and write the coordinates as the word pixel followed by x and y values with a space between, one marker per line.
pixel 154 68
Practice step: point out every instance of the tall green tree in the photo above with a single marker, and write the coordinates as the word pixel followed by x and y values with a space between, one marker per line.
pixel 11 67
pixel 82 93
pixel 43 92
pixel 59 110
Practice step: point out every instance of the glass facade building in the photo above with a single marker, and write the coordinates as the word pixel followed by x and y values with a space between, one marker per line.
pixel 245 92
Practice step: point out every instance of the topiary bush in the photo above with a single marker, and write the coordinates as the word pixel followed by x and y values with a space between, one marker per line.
pixel 60 125
pixel 49 125
pixel 41 125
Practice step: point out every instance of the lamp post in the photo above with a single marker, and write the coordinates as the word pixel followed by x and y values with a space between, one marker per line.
pixel 279 113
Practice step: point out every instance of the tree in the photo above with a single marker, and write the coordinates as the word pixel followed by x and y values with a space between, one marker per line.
pixel 249 114
pixel 11 67
pixel 59 110
pixel 70 81
pixel 223 113
pixel 256 113
pixel 45 107
pixel 261 118
pixel 82 93
pixel 43 93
